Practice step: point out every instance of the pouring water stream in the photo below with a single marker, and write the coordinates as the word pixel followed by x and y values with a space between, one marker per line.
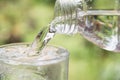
pixel 101 27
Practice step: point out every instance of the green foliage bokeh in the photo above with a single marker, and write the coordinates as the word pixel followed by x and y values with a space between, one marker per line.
pixel 21 20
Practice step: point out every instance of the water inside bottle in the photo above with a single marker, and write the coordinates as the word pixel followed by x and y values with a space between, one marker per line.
pixel 102 28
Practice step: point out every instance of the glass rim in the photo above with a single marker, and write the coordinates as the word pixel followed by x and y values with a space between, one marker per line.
pixel 37 62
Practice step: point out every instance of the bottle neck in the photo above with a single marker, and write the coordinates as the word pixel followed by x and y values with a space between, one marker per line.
pixel 63 28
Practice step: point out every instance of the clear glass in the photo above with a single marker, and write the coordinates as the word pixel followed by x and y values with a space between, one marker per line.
pixel 97 20
pixel 15 65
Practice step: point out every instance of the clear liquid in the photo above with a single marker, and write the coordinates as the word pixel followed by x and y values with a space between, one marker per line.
pixel 41 40
pixel 101 28
pixel 15 65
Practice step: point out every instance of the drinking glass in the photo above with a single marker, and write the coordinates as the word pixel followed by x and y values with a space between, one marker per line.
pixel 52 64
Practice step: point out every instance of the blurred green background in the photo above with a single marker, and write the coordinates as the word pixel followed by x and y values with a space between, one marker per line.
pixel 21 20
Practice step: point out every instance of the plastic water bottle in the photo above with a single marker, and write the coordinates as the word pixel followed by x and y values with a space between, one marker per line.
pixel 97 20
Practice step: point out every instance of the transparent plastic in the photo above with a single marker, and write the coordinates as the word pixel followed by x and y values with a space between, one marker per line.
pixel 97 20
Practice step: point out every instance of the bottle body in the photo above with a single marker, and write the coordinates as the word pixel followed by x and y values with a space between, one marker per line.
pixel 97 22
